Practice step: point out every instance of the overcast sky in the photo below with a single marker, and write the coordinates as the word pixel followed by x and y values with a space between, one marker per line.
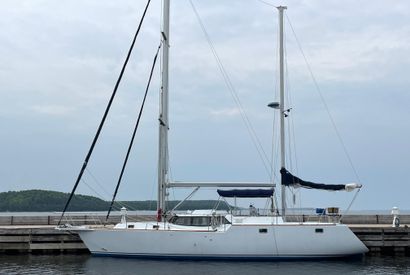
pixel 59 61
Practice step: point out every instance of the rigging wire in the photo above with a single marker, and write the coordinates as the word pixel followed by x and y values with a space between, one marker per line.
pixel 350 205
pixel 97 182
pixel 329 114
pixel 267 3
pixel 90 151
pixel 99 195
pixel 134 133
pixel 273 159
pixel 275 143
pixel 324 102
pixel 275 136
pixel 256 141
pixel 93 189
pixel 121 204
pixel 292 154
pixel 159 92
pixel 288 126
pixel 291 124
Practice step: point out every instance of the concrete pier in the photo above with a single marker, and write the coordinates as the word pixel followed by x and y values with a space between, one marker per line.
pixel 32 234
pixel 384 239
pixel 38 240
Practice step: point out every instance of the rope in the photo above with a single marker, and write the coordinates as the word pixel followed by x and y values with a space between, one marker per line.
pixel 90 151
pixel 134 133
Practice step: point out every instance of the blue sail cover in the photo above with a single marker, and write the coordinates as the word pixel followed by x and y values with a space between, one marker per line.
pixel 246 193
pixel 290 180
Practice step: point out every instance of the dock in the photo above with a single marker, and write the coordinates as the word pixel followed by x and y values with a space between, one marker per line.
pixel 38 240
pixel 36 234
pixel 384 239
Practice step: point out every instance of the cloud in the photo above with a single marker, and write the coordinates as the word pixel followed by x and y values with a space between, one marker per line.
pixel 357 45
pixel 225 113
pixel 60 60
pixel 53 110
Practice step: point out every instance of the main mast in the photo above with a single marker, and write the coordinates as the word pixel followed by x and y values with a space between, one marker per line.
pixel 163 114
pixel 282 107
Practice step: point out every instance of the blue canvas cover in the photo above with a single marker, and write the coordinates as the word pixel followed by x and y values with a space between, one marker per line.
pixel 246 193
pixel 290 180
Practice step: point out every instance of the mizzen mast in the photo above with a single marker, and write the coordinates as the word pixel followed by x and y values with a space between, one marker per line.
pixel 281 106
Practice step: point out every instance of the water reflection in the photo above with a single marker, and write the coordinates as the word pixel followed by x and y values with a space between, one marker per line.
pixel 85 264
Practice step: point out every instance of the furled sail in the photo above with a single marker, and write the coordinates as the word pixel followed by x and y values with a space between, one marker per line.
pixel 246 193
pixel 290 180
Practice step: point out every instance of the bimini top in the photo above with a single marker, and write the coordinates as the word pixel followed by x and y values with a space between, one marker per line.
pixel 246 193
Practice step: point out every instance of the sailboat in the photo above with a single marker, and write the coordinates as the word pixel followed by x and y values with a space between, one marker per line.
pixel 212 234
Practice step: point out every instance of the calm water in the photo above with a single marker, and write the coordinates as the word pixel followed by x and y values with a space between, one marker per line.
pixel 85 264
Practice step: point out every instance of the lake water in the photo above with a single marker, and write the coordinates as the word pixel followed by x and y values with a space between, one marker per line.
pixel 85 264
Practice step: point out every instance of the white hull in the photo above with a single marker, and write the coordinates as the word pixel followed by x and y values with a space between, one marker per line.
pixel 286 240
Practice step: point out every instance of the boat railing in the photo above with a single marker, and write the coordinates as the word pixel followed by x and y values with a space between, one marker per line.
pixel 85 219
pixel 324 218
pixel 292 216
pixel 254 212
pixel 320 215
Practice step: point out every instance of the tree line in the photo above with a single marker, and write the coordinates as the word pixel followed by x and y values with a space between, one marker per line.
pixel 49 201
